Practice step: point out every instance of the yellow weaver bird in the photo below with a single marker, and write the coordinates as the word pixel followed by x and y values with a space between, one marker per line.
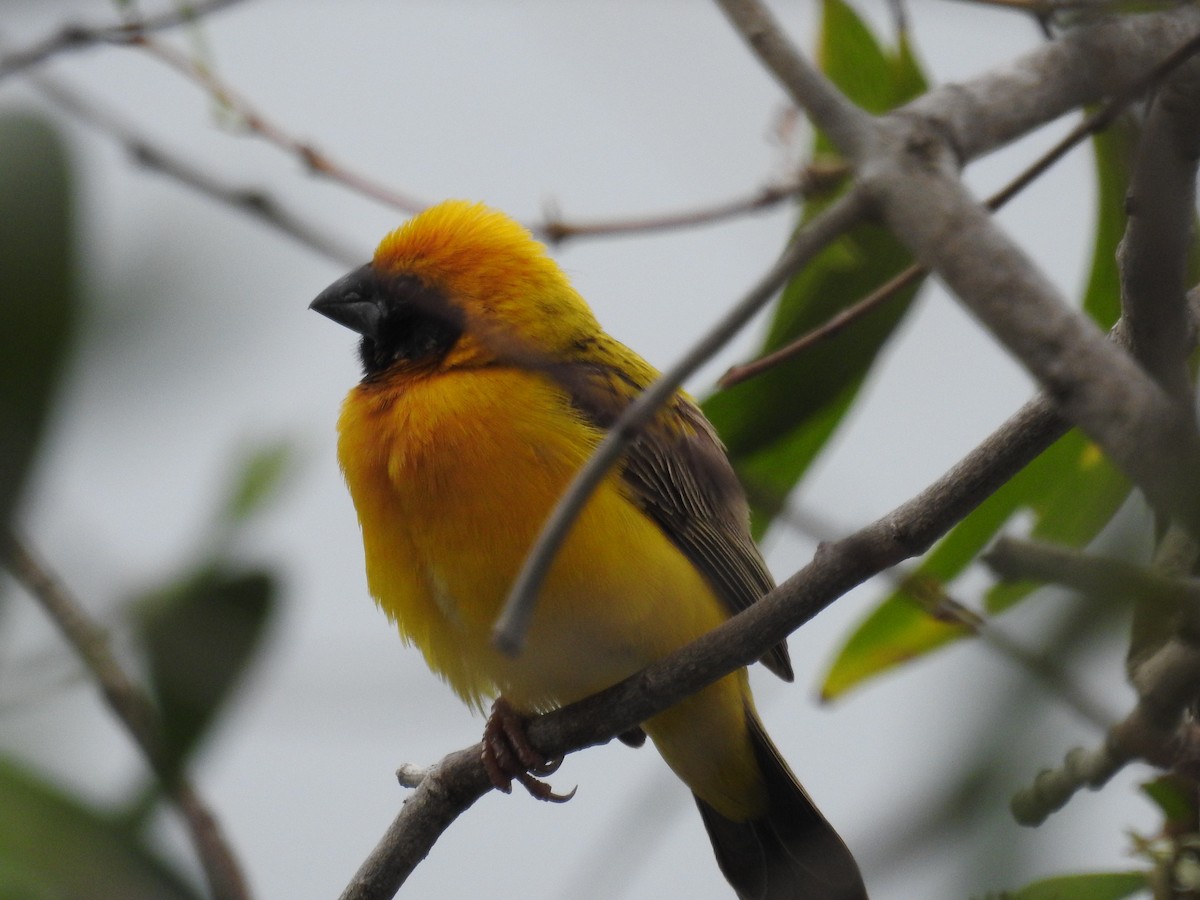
pixel 487 383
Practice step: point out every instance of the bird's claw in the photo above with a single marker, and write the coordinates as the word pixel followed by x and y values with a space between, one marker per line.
pixel 508 756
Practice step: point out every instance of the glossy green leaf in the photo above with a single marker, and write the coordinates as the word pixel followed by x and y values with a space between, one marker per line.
pixel 1071 490
pixel 38 302
pixel 1097 886
pixel 775 425
pixel 199 637
pixel 53 846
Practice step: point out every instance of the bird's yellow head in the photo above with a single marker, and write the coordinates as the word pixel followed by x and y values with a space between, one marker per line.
pixel 459 284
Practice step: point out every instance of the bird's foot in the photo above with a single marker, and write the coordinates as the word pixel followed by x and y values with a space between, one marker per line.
pixel 508 756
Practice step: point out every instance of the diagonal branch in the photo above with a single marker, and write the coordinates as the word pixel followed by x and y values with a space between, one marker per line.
pixel 451 786
pixel 314 159
pixel 911 174
pixel 256 203
pixel 1164 655
pixel 1149 436
pixel 79 37
pixel 1082 67
pixel 133 709
pixel 845 124
pixel 511 627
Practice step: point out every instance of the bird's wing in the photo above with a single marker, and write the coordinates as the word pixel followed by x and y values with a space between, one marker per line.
pixel 678 475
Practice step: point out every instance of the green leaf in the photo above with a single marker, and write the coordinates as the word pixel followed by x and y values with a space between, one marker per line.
pixel 895 632
pixel 199 636
pixel 774 425
pixel 1097 886
pixel 37 284
pixel 258 480
pixel 53 846
pixel 1071 489
pixel 874 78
pixel 1175 796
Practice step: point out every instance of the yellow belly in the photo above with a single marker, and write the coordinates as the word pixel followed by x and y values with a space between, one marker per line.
pixel 453 476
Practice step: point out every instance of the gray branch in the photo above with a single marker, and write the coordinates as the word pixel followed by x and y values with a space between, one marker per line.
pixel 78 37
pixel 909 168
pixel 1154 251
pixel 971 118
pixel 1083 67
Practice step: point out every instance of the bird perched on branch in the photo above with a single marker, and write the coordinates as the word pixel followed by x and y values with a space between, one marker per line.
pixel 487 383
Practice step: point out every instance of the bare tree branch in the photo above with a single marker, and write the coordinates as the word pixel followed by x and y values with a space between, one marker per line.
pixel 1097 576
pixel 1082 67
pixel 458 780
pixel 511 627
pixel 314 159
pixel 555 230
pixel 133 709
pixel 934 599
pixel 453 784
pixel 850 129
pixel 1164 656
pixel 1154 251
pixel 1147 435
pixel 79 37
pixel 912 176
pixel 1092 124
pixel 835 325
pixel 254 202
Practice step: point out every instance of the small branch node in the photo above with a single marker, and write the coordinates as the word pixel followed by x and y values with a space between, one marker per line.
pixel 411 775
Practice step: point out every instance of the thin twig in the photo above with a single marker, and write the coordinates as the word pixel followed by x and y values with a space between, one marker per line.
pixel 836 324
pixel 133 709
pixel 315 160
pixel 79 37
pixel 255 202
pixel 509 633
pixel 555 230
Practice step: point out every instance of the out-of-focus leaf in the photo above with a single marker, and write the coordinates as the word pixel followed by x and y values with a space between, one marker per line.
pixel 258 480
pixel 52 846
pixel 37 289
pixel 1175 797
pixel 199 636
pixel 1071 489
pixel 1097 886
pixel 774 425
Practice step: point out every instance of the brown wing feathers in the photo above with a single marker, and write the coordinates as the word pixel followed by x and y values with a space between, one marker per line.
pixel 677 473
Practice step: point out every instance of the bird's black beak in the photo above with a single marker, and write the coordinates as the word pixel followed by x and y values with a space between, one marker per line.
pixel 354 300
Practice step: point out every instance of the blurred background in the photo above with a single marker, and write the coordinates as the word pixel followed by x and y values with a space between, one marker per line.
pixel 194 356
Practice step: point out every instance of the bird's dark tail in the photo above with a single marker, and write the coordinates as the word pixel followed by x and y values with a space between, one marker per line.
pixel 791 853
